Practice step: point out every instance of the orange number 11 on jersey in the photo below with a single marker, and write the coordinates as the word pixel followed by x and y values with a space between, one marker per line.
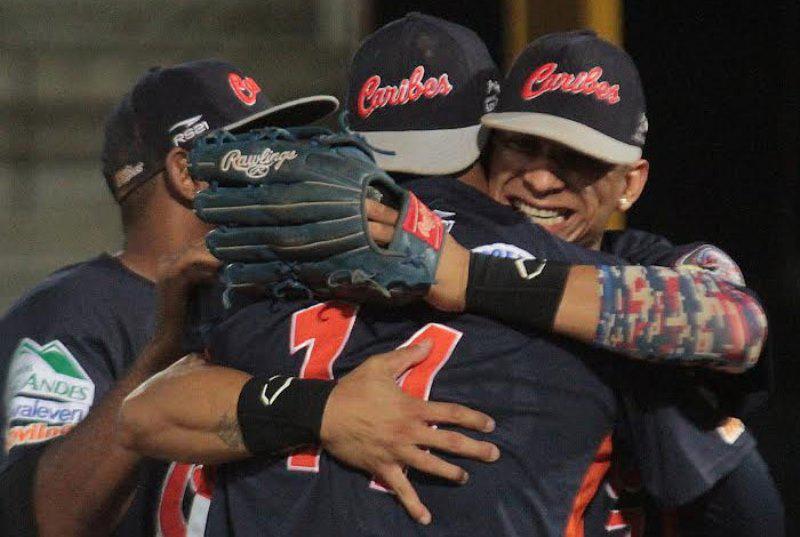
pixel 323 330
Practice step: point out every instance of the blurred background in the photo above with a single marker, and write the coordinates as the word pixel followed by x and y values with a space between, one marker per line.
pixel 720 78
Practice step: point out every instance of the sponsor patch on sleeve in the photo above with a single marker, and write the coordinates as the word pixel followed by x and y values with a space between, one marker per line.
pixel 46 394
pixel 714 260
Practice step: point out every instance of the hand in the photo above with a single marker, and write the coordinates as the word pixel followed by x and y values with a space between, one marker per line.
pixel 371 424
pixel 176 276
pixel 449 291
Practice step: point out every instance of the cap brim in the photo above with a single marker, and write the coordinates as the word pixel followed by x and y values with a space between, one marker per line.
pixel 289 114
pixel 433 152
pixel 566 132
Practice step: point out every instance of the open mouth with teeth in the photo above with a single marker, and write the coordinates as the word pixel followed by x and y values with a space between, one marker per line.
pixel 543 217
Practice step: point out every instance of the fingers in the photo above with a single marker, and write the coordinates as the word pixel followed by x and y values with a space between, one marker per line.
pixel 377 212
pixel 381 233
pixel 398 361
pixel 431 464
pixel 459 444
pixel 397 480
pixel 456 414
pixel 189 266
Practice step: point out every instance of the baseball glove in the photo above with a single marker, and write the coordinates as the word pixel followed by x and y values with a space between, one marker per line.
pixel 290 206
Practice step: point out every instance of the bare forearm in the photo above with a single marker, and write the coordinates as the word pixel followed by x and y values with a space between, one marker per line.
pixel 90 467
pixel 660 314
pixel 188 412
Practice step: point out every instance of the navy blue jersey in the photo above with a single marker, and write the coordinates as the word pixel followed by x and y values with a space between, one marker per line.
pixel 550 398
pixel 62 347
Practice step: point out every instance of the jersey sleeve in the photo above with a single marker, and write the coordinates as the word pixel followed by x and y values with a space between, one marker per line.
pixel 58 368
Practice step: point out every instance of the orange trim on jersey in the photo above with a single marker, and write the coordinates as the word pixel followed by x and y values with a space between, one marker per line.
pixel 591 482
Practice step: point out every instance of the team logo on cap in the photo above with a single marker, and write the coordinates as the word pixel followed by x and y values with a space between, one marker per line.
pixel 372 96
pixel 192 128
pixel 492 95
pixel 545 79
pixel 245 89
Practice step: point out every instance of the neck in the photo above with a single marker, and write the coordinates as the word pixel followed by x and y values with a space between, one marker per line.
pixel 476 178
pixel 160 234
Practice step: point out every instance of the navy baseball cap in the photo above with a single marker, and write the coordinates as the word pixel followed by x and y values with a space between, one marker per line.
pixel 173 106
pixel 418 87
pixel 578 90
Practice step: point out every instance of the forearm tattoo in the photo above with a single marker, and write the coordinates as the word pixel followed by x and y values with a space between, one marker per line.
pixel 684 314
pixel 229 432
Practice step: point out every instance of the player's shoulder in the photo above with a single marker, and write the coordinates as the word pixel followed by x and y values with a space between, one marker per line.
pixel 645 248
pixel 636 245
pixel 98 303
pixel 461 200
pixel 94 286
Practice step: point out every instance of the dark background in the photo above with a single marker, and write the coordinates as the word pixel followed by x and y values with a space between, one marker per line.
pixel 722 87
pixel 721 81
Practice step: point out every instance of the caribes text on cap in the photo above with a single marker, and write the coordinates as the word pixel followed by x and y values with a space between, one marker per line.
pixel 578 90
pixel 417 90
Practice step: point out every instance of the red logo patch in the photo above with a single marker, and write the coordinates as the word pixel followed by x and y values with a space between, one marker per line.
pixel 372 96
pixel 423 223
pixel 545 79
pixel 245 89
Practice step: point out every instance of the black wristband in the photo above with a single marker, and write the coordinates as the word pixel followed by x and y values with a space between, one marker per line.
pixel 278 414
pixel 520 291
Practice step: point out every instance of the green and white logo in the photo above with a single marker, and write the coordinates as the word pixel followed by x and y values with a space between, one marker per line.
pixel 48 372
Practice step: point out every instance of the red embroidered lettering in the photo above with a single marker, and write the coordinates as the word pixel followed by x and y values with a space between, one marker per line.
pixel 245 89
pixel 545 79
pixel 372 96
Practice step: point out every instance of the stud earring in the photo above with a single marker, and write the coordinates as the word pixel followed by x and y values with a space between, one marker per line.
pixel 624 203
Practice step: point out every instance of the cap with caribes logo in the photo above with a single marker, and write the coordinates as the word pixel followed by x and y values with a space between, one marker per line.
pixel 578 90
pixel 418 87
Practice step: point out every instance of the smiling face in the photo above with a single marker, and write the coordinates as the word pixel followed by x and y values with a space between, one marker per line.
pixel 569 194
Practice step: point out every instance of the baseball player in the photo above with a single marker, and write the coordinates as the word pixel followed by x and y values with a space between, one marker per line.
pixel 562 174
pixel 75 345
pixel 81 341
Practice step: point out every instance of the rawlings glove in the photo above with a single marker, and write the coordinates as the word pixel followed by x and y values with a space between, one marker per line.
pixel 290 206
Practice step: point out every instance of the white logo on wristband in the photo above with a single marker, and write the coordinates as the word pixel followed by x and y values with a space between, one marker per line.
pixel 269 400
pixel 523 269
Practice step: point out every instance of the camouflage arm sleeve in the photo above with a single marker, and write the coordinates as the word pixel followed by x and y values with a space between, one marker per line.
pixel 687 314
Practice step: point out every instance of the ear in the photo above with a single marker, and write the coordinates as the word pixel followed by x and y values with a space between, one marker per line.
pixel 635 180
pixel 179 182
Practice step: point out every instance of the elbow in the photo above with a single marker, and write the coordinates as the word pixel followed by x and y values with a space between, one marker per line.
pixel 749 340
pixel 133 425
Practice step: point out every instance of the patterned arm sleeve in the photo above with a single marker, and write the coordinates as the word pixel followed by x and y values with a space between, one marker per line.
pixel 697 313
